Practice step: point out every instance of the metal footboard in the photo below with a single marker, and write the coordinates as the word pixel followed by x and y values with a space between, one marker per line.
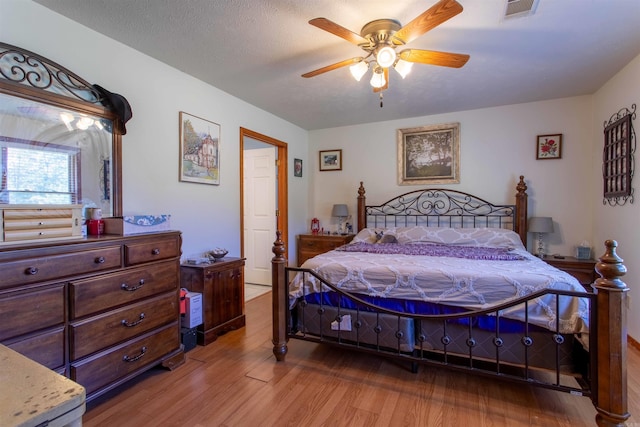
pixel 533 355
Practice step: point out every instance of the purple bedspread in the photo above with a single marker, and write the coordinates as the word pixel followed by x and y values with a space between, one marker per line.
pixel 455 251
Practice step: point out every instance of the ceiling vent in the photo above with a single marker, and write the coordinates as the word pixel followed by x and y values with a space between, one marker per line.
pixel 520 8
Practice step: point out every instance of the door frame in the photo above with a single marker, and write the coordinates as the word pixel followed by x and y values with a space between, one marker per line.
pixel 282 223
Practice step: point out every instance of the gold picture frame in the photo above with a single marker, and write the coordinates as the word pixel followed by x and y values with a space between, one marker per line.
pixel 429 154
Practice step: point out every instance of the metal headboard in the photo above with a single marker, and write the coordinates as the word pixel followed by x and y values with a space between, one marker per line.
pixel 440 208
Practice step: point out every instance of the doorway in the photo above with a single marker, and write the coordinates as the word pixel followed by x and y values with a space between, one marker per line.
pixel 263 198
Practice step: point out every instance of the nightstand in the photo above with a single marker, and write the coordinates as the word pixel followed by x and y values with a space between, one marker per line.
pixel 221 284
pixel 581 269
pixel 310 245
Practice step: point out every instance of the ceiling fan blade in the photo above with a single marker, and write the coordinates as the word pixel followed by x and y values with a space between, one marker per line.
pixel 386 82
pixel 432 57
pixel 338 30
pixel 429 19
pixel 333 67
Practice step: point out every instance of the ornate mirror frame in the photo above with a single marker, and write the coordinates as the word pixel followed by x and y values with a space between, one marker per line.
pixel 32 77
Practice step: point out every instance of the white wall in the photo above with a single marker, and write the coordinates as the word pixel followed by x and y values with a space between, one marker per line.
pixel 619 222
pixel 207 215
pixel 497 145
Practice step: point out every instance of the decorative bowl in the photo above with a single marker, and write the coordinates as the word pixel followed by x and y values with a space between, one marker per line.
pixel 217 254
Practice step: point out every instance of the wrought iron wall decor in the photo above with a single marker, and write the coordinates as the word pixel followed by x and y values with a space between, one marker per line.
pixel 618 161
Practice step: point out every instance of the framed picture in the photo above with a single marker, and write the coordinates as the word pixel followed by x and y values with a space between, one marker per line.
pixel 297 168
pixel 429 155
pixel 331 160
pixel 549 146
pixel 199 150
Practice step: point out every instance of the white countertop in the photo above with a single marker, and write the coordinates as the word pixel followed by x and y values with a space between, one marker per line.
pixel 31 394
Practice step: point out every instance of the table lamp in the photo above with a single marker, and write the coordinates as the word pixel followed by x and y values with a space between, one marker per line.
pixel 540 225
pixel 341 212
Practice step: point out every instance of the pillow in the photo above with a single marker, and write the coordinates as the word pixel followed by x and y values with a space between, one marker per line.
pixel 366 235
pixel 492 237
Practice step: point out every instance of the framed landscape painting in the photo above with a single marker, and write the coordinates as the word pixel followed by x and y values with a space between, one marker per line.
pixel 331 160
pixel 199 150
pixel 429 155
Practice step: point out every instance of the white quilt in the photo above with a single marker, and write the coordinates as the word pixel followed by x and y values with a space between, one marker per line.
pixel 473 284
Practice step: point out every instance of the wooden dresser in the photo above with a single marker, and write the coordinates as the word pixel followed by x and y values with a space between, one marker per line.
pixel 99 310
pixel 221 284
pixel 310 245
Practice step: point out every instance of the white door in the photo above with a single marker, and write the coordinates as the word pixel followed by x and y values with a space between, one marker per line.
pixel 259 213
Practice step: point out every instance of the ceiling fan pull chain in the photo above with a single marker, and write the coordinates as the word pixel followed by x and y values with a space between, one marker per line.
pixel 380 99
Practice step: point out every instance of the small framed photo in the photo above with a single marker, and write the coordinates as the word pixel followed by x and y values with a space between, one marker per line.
pixel 297 168
pixel 549 146
pixel 331 160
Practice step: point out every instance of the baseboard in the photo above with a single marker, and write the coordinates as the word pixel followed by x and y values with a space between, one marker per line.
pixel 633 343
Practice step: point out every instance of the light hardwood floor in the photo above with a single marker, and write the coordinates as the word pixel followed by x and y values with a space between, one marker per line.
pixel 236 381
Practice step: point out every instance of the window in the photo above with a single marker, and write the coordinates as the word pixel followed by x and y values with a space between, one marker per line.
pixel 39 173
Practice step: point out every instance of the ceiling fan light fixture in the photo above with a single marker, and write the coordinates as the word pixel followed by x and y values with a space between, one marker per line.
pixel 359 69
pixel 386 57
pixel 377 79
pixel 403 67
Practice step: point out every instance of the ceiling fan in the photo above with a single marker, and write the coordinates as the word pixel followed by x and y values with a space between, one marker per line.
pixel 380 38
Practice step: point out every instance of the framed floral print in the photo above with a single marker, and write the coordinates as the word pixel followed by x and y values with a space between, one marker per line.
pixel 297 168
pixel 549 146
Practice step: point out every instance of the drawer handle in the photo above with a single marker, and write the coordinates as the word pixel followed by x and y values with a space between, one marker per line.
pixel 131 324
pixel 100 260
pixel 155 251
pixel 128 288
pixel 31 271
pixel 128 358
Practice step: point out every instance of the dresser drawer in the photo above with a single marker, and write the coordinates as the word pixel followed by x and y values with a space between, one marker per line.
pixel 95 333
pixel 35 224
pixel 47 348
pixel 117 362
pixel 138 253
pixel 24 312
pixel 14 235
pixel 108 291
pixel 32 270
pixel 62 211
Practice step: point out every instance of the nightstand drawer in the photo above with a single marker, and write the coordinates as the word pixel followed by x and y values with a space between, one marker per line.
pixel 310 245
pixel 319 245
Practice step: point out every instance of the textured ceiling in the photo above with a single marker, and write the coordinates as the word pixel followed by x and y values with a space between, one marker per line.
pixel 257 50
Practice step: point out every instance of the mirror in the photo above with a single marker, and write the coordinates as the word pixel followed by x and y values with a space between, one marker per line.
pixel 58 143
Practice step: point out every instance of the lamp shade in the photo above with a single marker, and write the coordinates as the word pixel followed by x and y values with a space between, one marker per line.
pixel 541 224
pixel 377 79
pixel 359 69
pixel 403 67
pixel 340 211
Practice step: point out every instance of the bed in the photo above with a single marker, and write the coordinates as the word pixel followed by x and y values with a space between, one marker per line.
pixel 442 278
